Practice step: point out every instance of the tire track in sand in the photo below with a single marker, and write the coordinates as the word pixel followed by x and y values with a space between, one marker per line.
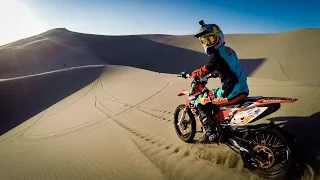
pixel 178 161
pixel 210 152
pixel 227 158
pixel 63 132
pixel 121 113
pixel 175 161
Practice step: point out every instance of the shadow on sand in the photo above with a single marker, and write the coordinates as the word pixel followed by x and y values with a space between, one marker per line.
pixel 24 98
pixel 136 51
pixel 306 131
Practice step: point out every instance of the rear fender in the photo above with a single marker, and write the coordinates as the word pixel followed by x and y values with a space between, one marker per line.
pixel 274 100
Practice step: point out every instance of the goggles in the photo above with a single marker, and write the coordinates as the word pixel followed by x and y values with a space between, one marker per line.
pixel 208 39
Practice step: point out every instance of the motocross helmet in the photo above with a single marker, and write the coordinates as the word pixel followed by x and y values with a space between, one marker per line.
pixel 210 36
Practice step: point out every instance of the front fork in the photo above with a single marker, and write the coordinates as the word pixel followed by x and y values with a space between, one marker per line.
pixel 184 111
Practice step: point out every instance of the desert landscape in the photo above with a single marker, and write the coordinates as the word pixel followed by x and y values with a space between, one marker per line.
pixel 86 106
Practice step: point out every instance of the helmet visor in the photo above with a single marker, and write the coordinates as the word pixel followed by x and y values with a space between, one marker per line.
pixel 208 39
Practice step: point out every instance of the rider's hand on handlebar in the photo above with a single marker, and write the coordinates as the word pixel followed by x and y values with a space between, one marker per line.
pixel 184 75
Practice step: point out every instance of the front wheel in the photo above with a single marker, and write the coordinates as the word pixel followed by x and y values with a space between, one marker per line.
pixel 184 123
pixel 275 151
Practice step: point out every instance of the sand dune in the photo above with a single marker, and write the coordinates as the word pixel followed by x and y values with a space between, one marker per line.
pixel 292 55
pixel 115 121
pixel 44 54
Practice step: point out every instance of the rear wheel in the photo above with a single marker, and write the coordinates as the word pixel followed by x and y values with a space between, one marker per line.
pixel 275 150
pixel 186 127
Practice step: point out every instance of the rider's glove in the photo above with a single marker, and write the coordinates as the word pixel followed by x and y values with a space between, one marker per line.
pixel 184 75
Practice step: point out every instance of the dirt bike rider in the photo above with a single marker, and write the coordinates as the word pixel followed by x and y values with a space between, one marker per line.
pixel 224 60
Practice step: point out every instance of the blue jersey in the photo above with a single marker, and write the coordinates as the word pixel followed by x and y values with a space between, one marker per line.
pixel 225 61
pixel 230 57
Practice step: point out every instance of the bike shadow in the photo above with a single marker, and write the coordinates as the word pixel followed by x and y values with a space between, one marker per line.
pixel 306 132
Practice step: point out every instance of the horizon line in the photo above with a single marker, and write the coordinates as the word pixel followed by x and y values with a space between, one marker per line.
pixel 164 34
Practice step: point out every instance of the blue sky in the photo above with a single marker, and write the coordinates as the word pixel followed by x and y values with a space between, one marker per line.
pixel 119 17
pixel 177 16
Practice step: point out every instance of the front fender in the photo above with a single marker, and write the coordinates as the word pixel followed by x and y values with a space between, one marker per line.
pixel 183 92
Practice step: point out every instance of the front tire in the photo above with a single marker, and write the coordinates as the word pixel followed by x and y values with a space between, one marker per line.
pixel 191 121
pixel 276 143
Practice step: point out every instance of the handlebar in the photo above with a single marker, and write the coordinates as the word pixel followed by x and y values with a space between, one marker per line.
pixel 208 76
pixel 203 80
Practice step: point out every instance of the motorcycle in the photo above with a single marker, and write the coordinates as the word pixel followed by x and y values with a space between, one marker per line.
pixel 266 149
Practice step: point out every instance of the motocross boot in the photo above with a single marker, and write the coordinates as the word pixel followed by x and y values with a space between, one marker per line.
pixel 210 132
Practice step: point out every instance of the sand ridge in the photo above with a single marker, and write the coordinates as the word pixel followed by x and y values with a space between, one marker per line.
pixel 289 55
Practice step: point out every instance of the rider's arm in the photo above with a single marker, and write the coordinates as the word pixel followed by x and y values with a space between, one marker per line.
pixel 212 65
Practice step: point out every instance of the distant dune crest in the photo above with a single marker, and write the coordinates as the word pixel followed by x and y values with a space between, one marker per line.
pixel 288 56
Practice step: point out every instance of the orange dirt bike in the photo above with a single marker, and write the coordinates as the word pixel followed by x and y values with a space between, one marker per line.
pixel 266 149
